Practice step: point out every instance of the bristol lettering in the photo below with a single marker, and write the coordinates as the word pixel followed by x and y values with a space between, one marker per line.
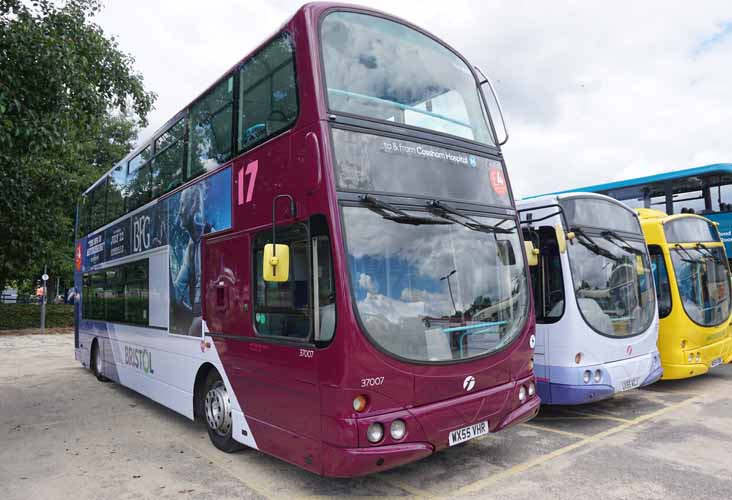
pixel 139 358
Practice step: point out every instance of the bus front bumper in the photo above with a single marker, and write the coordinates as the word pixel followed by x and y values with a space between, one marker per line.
pixel 710 356
pixel 429 426
pixel 350 462
pixel 562 394
pixel 566 387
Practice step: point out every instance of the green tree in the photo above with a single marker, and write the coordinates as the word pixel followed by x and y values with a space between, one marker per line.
pixel 70 106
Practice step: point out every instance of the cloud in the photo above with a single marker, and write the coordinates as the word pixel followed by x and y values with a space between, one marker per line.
pixel 367 283
pixel 591 92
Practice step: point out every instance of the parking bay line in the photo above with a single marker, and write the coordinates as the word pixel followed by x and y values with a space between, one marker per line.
pixel 253 485
pixel 518 468
pixel 265 492
pixel 557 431
pixel 599 416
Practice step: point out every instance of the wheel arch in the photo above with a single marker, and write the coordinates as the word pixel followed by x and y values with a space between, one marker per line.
pixel 93 349
pixel 199 386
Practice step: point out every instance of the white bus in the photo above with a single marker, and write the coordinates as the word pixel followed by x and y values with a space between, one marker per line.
pixel 596 315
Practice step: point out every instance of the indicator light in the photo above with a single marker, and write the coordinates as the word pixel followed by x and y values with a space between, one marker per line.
pixel 359 403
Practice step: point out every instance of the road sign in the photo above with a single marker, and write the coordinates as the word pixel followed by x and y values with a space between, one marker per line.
pixel 44 277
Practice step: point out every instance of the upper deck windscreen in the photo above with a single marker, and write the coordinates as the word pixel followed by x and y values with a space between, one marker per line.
pixel 690 230
pixel 600 213
pixel 384 70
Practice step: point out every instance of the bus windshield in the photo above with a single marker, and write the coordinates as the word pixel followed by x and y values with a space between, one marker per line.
pixel 384 70
pixel 429 288
pixel 703 282
pixel 612 282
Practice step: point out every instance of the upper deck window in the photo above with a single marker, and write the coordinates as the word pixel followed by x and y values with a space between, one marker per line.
pixel 384 70
pixel 600 213
pixel 210 129
pixel 690 230
pixel 267 93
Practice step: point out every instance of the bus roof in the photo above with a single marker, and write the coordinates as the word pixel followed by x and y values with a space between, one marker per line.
pixel 546 199
pixel 706 170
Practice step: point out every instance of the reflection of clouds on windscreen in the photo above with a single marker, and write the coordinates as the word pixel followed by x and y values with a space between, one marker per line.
pixel 385 60
pixel 412 282
pixel 435 303
pixel 393 310
pixel 398 64
pixel 414 262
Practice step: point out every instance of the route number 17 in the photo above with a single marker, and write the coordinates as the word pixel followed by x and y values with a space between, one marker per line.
pixel 251 172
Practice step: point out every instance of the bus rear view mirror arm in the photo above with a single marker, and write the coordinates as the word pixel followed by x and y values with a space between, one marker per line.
pixel 487 81
pixel 276 258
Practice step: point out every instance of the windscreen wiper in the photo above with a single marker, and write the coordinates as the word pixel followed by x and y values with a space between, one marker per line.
pixel 688 258
pixel 593 246
pixel 709 253
pixel 447 212
pixel 392 213
pixel 612 236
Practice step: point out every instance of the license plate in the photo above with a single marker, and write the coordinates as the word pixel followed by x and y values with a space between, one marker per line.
pixel 630 383
pixel 467 433
pixel 716 362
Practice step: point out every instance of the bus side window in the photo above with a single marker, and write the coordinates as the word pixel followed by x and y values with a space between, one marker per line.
pixel 546 278
pixel 660 277
pixel 324 289
pixel 282 309
pixel 721 198
pixel 267 93
pixel 209 129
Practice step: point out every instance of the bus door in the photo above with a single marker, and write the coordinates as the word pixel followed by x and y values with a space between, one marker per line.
pixel 548 289
pixel 270 353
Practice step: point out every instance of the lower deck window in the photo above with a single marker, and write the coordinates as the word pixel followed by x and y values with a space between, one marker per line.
pixel 283 309
pixel 118 294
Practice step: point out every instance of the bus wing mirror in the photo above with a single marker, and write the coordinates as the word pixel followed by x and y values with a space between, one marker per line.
pixel 561 238
pixel 276 262
pixel 505 253
pixel 640 268
pixel 532 254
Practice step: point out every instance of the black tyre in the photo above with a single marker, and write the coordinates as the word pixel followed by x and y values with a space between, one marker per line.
pixel 96 362
pixel 216 410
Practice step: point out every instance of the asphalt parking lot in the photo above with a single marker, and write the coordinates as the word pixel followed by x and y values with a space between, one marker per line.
pixel 64 435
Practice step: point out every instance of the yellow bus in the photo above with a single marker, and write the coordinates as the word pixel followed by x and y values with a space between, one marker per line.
pixel 692 279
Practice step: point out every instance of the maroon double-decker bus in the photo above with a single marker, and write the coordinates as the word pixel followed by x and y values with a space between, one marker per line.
pixel 320 256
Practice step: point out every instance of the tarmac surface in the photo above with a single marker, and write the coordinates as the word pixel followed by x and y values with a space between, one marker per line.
pixel 64 435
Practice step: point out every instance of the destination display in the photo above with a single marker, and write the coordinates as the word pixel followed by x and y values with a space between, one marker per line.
pixel 372 163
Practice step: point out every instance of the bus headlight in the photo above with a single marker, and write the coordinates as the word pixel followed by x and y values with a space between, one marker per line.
pixel 586 376
pixel 532 389
pixel 522 394
pixel 398 429
pixel 598 376
pixel 691 357
pixel 698 357
pixel 375 432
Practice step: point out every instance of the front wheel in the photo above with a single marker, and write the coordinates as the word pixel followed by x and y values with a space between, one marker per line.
pixel 217 409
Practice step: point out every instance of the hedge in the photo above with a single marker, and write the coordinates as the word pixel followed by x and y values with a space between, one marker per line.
pixel 19 316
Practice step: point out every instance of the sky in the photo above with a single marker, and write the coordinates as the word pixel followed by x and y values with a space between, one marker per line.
pixel 592 91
